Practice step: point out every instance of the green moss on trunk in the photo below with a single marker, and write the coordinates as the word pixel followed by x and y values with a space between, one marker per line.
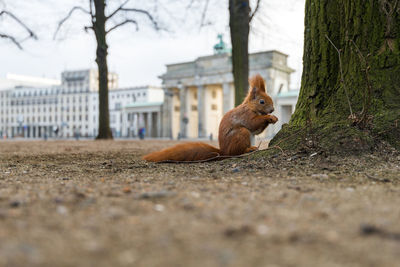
pixel 367 36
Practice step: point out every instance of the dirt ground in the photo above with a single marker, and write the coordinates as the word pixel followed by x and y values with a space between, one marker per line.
pixel 95 203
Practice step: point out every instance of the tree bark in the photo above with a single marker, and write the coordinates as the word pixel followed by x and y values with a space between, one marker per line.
pixel 101 60
pixel 239 20
pixel 349 103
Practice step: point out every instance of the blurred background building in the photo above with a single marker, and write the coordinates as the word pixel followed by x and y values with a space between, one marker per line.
pixel 32 107
pixel 192 102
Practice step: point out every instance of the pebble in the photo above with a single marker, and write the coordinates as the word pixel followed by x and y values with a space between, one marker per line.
pixel 195 194
pixel 159 207
pixel 62 210
pixel 126 189
pixel 321 176
pixel 262 229
pixel 15 203
pixel 155 195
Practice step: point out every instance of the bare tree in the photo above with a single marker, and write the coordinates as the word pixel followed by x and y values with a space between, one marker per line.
pixel 12 38
pixel 240 17
pixel 99 22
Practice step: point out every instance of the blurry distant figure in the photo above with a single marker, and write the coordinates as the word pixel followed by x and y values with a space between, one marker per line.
pixel 56 130
pixel 179 136
pixel 45 136
pixel 211 136
pixel 77 135
pixel 142 133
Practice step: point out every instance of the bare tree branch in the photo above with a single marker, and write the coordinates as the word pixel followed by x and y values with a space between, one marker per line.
pixel 117 10
pixel 190 4
pixel 11 15
pixel 87 28
pixel 69 15
pixel 12 39
pixel 255 10
pixel 135 10
pixel 91 9
pixel 123 23
pixel 203 15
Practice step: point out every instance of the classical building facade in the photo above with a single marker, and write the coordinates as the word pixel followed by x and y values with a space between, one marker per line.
pixel 37 108
pixel 199 93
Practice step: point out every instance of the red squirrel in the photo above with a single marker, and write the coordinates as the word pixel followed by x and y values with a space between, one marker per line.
pixel 235 129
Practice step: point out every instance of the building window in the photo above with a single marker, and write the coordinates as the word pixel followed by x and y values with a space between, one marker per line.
pixel 214 94
pixel 214 107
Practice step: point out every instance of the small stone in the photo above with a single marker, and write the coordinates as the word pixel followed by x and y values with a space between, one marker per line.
pixel 195 194
pixel 159 207
pixel 321 176
pixel 62 210
pixel 234 232
pixel 368 229
pixel 126 189
pixel 349 189
pixel 15 203
pixel 58 200
pixel 115 213
pixel 235 170
pixel 262 229
pixel 156 195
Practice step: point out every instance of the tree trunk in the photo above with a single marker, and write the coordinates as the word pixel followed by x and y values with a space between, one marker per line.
pixel 239 20
pixel 101 60
pixel 351 103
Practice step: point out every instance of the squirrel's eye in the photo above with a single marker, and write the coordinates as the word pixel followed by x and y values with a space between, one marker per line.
pixel 262 102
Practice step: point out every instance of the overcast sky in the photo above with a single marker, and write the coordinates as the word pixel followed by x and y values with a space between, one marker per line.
pixel 139 57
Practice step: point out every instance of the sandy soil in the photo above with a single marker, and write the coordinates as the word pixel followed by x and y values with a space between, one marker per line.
pixel 87 203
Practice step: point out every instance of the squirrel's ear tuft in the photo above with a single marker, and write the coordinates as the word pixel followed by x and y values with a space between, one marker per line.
pixel 253 92
pixel 257 82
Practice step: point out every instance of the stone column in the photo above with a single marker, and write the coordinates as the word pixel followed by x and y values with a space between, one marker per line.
pixel 137 122
pixel 167 113
pixel 158 114
pixel 201 110
pixel 150 124
pixel 124 124
pixel 228 97
pixel 183 111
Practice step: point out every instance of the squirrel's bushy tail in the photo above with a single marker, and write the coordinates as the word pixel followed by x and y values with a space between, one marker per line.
pixel 184 152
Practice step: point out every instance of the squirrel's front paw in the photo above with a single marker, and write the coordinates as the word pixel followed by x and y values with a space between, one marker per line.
pixel 272 119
